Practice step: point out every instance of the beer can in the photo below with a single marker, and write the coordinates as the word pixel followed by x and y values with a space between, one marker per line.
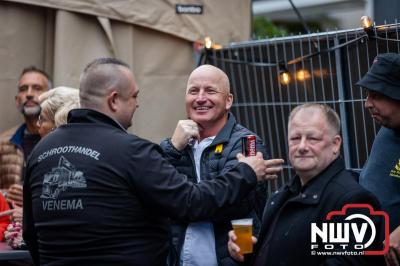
pixel 249 145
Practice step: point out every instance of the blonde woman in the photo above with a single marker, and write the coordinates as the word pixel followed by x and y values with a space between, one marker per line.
pixel 56 104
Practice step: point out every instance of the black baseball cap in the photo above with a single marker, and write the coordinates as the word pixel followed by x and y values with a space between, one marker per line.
pixel 384 76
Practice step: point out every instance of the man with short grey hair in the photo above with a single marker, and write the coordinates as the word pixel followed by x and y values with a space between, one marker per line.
pixel 321 185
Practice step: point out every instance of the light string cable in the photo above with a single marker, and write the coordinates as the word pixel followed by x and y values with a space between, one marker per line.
pixel 368 26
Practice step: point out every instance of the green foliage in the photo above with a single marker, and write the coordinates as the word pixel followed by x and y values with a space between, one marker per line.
pixel 264 28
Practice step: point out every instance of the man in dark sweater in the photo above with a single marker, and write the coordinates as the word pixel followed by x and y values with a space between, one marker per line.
pixel 96 195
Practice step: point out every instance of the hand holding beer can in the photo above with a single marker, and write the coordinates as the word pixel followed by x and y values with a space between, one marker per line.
pixel 243 229
pixel 249 145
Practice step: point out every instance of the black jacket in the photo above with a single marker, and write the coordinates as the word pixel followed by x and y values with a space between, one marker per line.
pixel 214 163
pixel 95 195
pixel 295 208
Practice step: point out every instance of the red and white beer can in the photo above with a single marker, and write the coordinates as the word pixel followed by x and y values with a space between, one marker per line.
pixel 249 145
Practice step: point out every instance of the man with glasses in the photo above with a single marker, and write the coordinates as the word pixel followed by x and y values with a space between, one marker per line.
pixel 17 143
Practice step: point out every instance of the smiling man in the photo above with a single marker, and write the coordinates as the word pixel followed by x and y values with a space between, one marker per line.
pixel 202 147
pixel 17 143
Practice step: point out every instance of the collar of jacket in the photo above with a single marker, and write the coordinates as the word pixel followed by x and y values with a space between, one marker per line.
pixel 225 133
pixel 18 136
pixel 313 190
pixel 92 116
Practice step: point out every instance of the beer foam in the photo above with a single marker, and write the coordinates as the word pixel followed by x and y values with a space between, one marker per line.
pixel 248 221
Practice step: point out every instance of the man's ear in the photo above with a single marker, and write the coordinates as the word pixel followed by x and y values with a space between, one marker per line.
pixel 112 101
pixel 337 141
pixel 229 101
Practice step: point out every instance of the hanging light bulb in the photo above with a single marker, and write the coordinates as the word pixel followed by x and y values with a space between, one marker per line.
pixel 366 22
pixel 302 74
pixel 208 42
pixel 284 77
pixel 368 26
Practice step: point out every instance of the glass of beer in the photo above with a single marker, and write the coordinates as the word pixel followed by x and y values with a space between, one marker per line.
pixel 243 230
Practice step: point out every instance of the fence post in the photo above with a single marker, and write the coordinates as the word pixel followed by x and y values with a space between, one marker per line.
pixel 342 107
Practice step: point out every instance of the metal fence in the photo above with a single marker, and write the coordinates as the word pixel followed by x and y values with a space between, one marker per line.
pixel 323 67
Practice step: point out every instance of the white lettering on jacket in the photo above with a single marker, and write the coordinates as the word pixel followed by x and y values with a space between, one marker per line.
pixel 70 149
pixel 62 205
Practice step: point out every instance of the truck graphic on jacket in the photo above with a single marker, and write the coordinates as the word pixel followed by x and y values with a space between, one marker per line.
pixel 60 178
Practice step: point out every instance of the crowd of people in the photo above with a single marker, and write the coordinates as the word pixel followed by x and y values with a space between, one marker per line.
pixel 87 192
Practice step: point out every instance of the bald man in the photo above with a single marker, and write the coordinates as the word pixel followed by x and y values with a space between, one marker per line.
pixel 202 147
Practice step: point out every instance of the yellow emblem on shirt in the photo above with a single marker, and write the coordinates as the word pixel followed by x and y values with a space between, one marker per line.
pixel 218 148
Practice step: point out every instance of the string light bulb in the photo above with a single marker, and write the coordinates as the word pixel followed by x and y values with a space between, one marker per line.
pixel 366 22
pixel 209 44
pixel 284 77
pixel 302 74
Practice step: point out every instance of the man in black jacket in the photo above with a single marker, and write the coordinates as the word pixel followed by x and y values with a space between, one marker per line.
pixel 202 148
pixel 96 195
pixel 381 172
pixel 322 185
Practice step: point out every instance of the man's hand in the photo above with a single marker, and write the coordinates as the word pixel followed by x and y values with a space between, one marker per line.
pixel 274 166
pixel 392 257
pixel 14 194
pixel 234 250
pixel 264 169
pixel 184 132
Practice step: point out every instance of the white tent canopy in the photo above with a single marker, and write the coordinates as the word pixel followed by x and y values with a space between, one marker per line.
pixel 225 21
